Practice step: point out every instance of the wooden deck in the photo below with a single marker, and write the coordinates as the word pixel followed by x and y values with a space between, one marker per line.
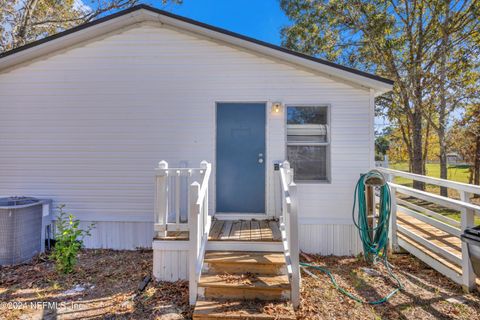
pixel 245 230
pixel 442 239
pixel 174 235
pixel 439 237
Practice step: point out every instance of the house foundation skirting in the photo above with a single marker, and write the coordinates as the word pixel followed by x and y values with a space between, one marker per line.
pixel 327 239
pixel 170 260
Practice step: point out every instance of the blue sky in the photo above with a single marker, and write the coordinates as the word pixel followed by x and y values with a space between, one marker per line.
pixel 260 19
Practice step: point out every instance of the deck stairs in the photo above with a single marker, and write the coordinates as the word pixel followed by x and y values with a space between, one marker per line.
pixel 237 268
pixel 243 284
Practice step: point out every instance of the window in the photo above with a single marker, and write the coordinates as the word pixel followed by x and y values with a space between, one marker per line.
pixel 308 143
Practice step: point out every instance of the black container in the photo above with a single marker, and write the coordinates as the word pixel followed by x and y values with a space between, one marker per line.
pixel 471 237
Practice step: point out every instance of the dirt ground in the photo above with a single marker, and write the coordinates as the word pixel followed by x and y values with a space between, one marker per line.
pixel 426 293
pixel 105 286
pixel 109 278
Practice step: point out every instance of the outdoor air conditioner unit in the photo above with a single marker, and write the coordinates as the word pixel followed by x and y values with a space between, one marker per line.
pixel 24 226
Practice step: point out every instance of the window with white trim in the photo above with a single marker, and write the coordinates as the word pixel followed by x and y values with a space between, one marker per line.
pixel 308 142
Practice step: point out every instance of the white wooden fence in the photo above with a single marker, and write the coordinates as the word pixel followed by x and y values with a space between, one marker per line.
pixel 181 204
pixel 450 226
pixel 289 228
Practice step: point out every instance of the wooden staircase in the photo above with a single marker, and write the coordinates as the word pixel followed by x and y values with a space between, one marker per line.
pixel 243 285
pixel 237 269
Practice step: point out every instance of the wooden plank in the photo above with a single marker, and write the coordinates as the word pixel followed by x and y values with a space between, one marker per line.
pixel 255 231
pixel 431 245
pixel 232 293
pixel 227 227
pixel 430 221
pixel 439 237
pixel 265 231
pixel 174 235
pixel 216 229
pixel 171 227
pixel 428 212
pixel 276 234
pixel 236 230
pixel 220 309
pixel 443 201
pixel 245 234
pixel 270 282
pixel 211 228
pixel 436 262
pixel 242 257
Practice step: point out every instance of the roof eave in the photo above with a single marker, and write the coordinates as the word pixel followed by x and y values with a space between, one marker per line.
pixel 143 13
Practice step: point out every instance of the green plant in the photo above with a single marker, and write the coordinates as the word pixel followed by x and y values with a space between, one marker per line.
pixel 68 240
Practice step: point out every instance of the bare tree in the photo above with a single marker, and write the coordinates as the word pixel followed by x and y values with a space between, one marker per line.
pixel 24 21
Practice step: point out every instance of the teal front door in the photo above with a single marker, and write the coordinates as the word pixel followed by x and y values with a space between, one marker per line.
pixel 240 153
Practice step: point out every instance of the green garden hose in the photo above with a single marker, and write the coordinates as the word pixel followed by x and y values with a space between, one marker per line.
pixel 374 239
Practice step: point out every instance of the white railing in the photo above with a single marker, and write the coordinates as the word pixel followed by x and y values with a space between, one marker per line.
pixel 200 222
pixel 450 226
pixel 289 228
pixel 181 204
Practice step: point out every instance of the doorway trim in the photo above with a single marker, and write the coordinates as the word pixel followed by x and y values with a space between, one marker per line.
pixel 240 215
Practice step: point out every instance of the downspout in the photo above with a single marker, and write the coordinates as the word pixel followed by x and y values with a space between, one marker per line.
pixel 372 128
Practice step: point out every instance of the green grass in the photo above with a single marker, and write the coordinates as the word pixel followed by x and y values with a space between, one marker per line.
pixel 455 173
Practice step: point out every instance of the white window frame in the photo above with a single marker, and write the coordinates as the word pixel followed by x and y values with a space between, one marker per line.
pixel 327 143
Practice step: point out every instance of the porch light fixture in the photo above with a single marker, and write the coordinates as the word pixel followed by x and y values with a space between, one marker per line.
pixel 276 107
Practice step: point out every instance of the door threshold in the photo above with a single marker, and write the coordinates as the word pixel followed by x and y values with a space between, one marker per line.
pixel 242 216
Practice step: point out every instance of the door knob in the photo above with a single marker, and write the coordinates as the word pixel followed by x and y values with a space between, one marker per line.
pixel 260 160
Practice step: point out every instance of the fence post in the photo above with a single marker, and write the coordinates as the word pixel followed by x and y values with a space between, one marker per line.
pixel 193 239
pixel 393 232
pixel 294 246
pixel 467 221
pixel 161 199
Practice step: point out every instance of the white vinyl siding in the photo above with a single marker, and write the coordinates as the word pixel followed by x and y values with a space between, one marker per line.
pixel 87 126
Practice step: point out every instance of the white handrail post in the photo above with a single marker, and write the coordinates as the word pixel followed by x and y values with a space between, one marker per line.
pixel 206 218
pixel 467 221
pixel 161 198
pixel 193 211
pixel 277 190
pixel 393 230
pixel 294 246
pixel 177 197
pixel 288 171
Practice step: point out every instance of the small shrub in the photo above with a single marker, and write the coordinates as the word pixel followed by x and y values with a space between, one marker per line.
pixel 68 240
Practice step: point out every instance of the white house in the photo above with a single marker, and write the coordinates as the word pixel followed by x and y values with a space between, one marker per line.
pixel 87 114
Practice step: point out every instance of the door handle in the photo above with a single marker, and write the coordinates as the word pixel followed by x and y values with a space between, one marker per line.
pixel 260 158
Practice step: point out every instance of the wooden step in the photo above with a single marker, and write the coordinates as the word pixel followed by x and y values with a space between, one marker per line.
pixel 245 230
pixel 221 309
pixel 247 286
pixel 242 262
